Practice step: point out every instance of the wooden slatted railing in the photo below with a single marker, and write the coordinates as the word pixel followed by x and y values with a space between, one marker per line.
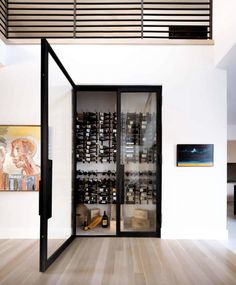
pixel 3 18
pixel 158 19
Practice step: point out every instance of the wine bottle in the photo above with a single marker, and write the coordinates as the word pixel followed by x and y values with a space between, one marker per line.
pixel 104 220
pixel 85 226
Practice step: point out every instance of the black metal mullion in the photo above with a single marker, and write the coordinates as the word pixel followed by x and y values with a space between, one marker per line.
pixel 159 158
pixel 74 162
pixel 118 162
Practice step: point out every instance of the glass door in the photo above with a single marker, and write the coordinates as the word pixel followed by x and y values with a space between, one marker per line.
pixel 56 187
pixel 96 135
pixel 139 165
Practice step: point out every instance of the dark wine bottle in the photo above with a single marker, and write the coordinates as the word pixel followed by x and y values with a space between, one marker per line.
pixel 105 220
pixel 85 226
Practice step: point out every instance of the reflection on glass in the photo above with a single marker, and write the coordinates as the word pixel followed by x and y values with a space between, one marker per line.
pixel 60 146
pixel 138 155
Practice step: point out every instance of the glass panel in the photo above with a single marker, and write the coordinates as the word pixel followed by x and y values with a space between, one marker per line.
pixel 138 157
pixel 60 152
pixel 96 163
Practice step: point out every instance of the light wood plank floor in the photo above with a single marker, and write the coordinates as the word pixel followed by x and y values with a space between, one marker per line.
pixel 121 261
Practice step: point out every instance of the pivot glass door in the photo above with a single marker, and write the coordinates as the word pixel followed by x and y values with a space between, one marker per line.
pixel 56 187
pixel 139 164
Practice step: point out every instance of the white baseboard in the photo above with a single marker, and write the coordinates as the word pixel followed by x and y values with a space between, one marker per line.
pixel 19 233
pixel 214 234
pixel 32 233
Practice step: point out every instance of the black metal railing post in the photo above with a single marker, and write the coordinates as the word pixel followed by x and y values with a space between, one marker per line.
pixel 7 20
pixel 142 19
pixel 211 19
pixel 74 29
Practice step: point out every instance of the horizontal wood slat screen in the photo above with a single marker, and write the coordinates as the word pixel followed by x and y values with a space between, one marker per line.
pixel 172 19
pixel 3 17
pixel 177 19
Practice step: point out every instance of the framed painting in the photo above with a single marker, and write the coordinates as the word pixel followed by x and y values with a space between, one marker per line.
pixel 194 155
pixel 19 158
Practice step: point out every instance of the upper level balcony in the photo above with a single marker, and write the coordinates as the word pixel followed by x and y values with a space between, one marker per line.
pixel 94 20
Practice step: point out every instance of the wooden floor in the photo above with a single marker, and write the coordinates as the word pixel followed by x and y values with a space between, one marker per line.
pixel 121 261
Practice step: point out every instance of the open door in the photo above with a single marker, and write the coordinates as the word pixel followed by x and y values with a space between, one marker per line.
pixel 56 203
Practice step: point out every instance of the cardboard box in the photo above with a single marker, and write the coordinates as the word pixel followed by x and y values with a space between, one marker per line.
pixel 94 213
pixel 113 226
pixel 139 224
pixel 141 214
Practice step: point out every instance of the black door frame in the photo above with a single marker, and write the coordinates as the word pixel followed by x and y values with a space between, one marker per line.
pixel 45 193
pixel 120 167
pixel 133 88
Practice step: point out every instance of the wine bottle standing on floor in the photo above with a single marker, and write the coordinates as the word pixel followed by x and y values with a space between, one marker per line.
pixel 104 220
pixel 85 226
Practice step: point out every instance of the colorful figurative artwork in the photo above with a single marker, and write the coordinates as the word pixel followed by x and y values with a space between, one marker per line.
pixel 19 158
pixel 190 155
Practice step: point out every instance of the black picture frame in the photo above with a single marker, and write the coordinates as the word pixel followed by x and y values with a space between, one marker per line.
pixel 195 155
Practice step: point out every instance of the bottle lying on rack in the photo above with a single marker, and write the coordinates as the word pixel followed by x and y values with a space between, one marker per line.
pixel 140 187
pixel 96 187
pixel 96 129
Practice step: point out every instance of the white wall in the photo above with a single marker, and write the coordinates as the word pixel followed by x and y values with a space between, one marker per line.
pixel 194 111
pixel 224 27
pixel 231 132
pixel 2 53
pixel 20 104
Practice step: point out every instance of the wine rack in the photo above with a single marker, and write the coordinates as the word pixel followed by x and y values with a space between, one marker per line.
pixel 138 139
pixel 140 187
pixel 96 187
pixel 100 187
pixel 96 137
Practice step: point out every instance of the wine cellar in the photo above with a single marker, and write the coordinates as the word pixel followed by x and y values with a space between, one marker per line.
pixel 117 158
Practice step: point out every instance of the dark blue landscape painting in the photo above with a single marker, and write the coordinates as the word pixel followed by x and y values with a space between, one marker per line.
pixel 189 155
